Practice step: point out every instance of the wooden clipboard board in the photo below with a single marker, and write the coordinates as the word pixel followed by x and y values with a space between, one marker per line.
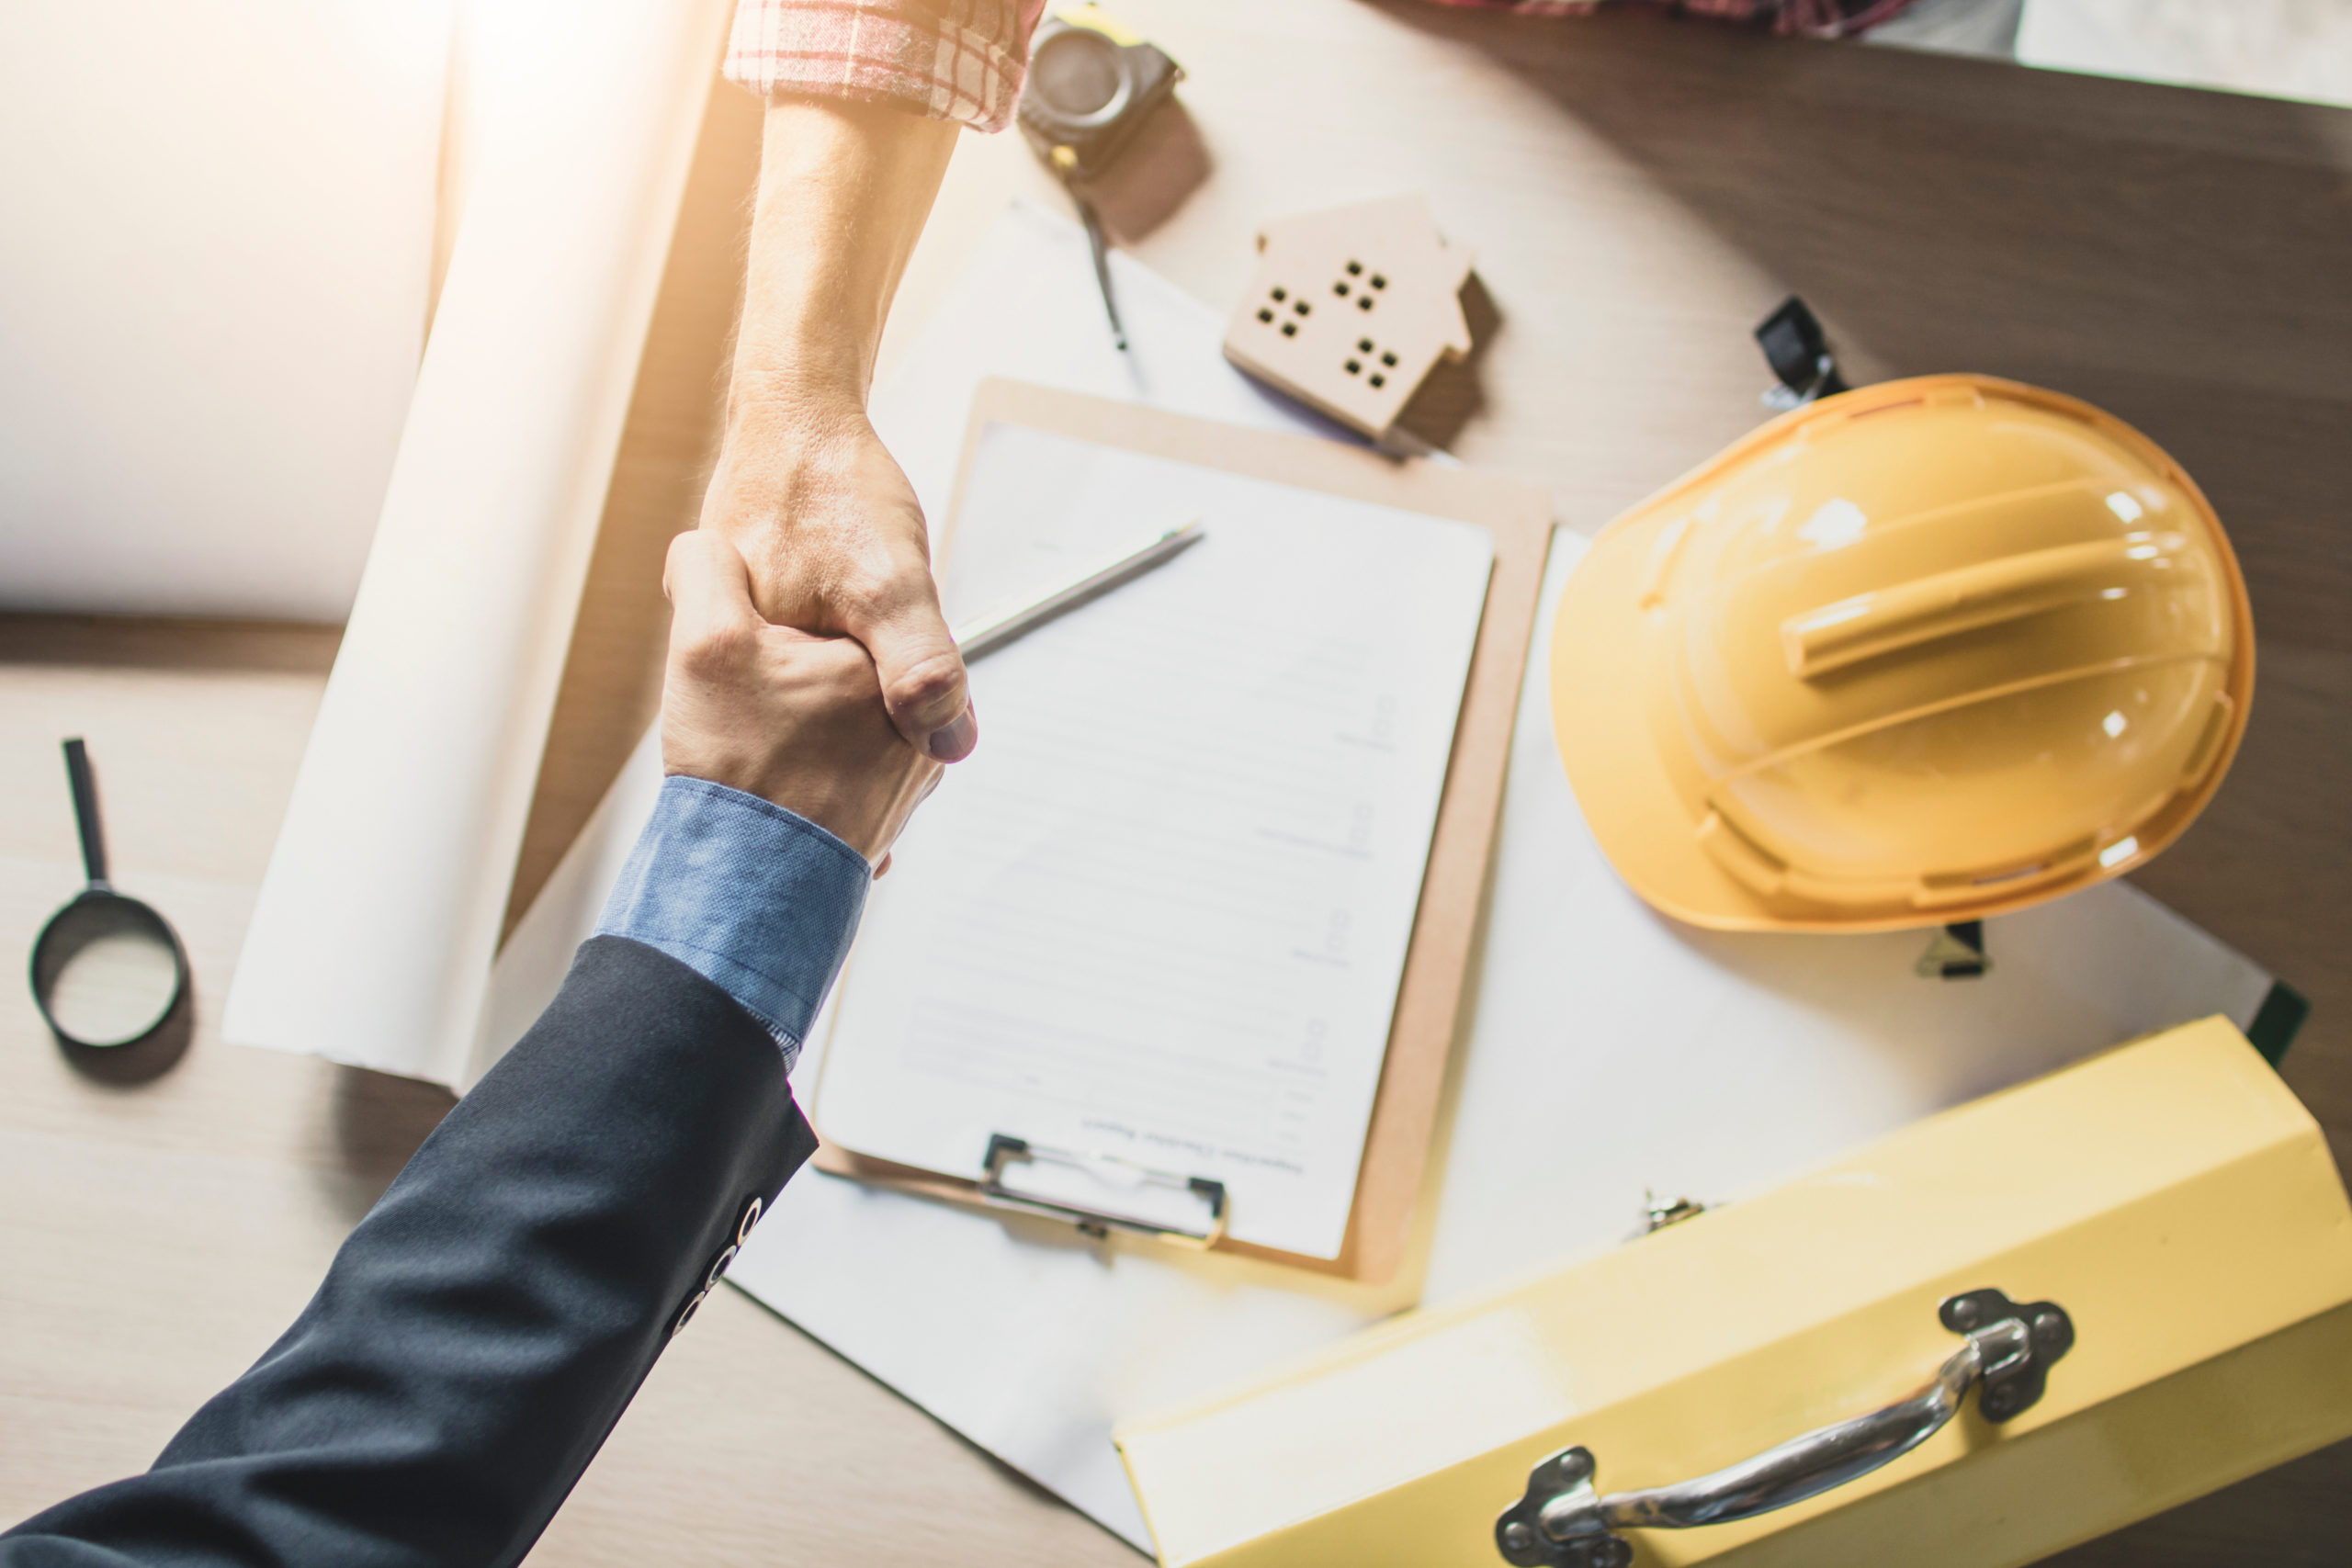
pixel 1429 996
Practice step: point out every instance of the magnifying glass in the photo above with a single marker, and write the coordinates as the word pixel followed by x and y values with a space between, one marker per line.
pixel 106 969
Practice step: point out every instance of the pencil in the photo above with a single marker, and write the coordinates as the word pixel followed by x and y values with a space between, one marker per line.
pixel 1001 626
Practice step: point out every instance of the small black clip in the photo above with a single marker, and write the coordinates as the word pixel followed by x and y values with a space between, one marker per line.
pixel 1957 954
pixel 1798 352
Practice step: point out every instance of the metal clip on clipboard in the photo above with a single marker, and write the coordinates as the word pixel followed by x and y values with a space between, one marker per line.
pixel 1004 1150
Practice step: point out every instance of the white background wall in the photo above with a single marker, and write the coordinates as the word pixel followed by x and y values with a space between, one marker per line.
pixel 2289 49
pixel 216 236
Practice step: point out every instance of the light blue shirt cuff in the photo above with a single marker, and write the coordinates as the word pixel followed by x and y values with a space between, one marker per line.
pixel 758 901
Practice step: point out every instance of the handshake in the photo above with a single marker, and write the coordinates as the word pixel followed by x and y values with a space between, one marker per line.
pixel 793 718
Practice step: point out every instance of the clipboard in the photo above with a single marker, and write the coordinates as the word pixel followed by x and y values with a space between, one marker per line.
pixel 1518 518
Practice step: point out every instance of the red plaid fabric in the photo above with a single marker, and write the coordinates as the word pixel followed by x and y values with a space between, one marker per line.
pixel 958 59
pixel 963 60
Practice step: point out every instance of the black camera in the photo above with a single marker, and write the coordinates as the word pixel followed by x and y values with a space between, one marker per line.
pixel 1090 87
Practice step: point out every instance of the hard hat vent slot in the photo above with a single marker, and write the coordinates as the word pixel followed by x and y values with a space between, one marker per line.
pixel 1663 555
pixel 1939 888
pixel 1885 408
pixel 2208 744
pixel 1741 855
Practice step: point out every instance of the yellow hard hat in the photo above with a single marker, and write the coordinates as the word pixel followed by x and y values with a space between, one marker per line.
pixel 1923 652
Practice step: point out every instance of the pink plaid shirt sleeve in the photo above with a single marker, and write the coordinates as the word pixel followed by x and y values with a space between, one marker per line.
pixel 959 59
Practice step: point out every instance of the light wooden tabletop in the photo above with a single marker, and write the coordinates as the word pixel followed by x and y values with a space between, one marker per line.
pixel 1638 194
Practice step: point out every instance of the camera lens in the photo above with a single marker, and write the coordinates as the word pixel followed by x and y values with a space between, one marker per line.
pixel 1076 73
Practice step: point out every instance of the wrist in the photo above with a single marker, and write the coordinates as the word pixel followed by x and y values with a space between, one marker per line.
pixel 795 398
pixel 804 347
pixel 783 433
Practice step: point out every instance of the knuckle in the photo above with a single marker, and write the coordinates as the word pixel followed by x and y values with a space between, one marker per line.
pixel 714 652
pixel 927 682
pixel 885 577
pixel 837 672
pixel 876 586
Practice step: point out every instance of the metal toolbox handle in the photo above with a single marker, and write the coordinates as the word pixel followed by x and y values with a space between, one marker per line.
pixel 1565 1522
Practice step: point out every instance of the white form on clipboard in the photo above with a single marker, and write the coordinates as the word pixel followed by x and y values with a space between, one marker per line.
pixel 1161 914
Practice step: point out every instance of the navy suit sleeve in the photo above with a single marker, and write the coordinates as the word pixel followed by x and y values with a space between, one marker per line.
pixel 484 1327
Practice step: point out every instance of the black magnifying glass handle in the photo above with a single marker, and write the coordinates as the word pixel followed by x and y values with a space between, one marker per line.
pixel 106 970
pixel 86 813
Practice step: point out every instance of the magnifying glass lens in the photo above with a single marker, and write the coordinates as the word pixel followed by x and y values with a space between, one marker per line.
pixel 1077 72
pixel 107 971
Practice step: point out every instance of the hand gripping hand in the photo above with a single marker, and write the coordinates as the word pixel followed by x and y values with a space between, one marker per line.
pixel 795 718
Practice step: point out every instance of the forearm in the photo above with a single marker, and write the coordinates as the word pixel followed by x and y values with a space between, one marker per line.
pixel 844 189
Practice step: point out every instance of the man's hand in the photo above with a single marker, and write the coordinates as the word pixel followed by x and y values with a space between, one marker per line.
pixel 834 539
pixel 818 511
pixel 793 719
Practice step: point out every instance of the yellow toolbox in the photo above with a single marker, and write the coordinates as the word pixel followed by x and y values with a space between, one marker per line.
pixel 2004 1329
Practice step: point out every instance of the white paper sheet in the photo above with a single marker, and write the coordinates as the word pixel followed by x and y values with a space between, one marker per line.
pixel 1162 915
pixel 1606 1050
pixel 220 224
pixel 372 939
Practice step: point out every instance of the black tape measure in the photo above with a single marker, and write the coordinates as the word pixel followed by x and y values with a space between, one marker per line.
pixel 1091 84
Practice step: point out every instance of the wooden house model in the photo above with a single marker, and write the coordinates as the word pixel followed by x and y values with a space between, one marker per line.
pixel 1351 308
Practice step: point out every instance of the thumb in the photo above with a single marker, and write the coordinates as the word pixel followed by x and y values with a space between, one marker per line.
pixel 922 678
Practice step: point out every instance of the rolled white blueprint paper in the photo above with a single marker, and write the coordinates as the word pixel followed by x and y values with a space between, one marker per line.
pixel 538 955
pixel 372 939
